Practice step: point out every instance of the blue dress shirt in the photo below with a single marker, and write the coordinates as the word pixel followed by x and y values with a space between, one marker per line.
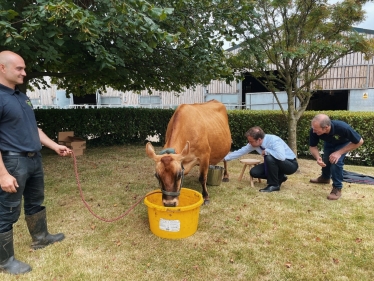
pixel 273 145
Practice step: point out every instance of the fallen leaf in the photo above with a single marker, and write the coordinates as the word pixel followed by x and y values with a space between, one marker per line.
pixel 288 264
pixel 93 227
pixel 358 240
pixel 231 260
pixel 318 239
pixel 336 261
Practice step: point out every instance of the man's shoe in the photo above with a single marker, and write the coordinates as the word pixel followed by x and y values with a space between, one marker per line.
pixel 270 188
pixel 320 179
pixel 335 194
pixel 283 180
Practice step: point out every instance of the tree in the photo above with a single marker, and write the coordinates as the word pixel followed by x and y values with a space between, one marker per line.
pixel 88 45
pixel 288 45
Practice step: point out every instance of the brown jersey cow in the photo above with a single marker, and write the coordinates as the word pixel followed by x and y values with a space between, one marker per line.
pixel 197 134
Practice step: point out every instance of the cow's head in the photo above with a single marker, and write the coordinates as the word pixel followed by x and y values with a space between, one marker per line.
pixel 169 172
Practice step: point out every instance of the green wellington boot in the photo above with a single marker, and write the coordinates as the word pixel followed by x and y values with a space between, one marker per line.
pixel 37 225
pixel 8 263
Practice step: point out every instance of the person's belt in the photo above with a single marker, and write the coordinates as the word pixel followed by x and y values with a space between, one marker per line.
pixel 12 153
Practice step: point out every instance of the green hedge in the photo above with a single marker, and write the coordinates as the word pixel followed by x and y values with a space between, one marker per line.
pixel 117 126
pixel 105 126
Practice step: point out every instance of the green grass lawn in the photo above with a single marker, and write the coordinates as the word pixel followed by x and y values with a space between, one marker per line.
pixel 294 234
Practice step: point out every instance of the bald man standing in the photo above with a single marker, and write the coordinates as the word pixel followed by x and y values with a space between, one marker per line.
pixel 21 170
pixel 339 138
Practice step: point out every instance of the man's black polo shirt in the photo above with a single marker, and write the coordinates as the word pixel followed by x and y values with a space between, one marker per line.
pixel 18 127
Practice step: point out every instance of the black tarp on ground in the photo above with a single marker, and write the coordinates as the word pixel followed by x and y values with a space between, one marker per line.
pixel 357 178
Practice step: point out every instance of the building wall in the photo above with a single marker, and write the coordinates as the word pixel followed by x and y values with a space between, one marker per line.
pixel 52 97
pixel 361 100
pixel 348 77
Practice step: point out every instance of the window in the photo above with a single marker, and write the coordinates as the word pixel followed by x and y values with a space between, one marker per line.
pixel 143 100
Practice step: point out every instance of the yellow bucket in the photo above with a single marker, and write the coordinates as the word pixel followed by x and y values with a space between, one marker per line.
pixel 174 222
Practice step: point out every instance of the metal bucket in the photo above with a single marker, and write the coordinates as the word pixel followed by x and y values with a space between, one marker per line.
pixel 215 174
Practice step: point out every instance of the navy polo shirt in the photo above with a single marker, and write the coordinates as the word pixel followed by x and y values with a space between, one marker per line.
pixel 18 127
pixel 340 133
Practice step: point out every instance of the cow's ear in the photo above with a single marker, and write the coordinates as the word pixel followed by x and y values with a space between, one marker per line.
pixel 186 149
pixel 150 150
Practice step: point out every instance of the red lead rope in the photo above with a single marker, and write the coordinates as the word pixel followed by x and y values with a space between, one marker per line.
pixel 89 208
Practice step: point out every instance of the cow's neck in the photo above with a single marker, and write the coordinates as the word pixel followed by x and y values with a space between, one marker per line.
pixel 176 145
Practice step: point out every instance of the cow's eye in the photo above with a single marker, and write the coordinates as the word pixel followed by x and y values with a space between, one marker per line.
pixel 179 175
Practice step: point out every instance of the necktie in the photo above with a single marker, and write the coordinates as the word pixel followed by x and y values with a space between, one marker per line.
pixel 266 170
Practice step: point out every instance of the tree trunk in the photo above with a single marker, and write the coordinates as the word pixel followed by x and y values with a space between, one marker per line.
pixel 293 118
pixel 292 136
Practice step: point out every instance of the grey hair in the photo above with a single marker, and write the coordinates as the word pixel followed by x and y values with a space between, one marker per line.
pixel 323 120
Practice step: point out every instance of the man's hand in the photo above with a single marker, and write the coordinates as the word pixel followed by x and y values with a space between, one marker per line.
pixel 334 157
pixel 8 183
pixel 62 150
pixel 320 162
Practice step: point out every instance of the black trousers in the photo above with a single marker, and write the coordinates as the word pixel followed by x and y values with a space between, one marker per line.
pixel 29 174
pixel 275 169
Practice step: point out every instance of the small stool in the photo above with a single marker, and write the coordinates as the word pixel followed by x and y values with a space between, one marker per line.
pixel 250 163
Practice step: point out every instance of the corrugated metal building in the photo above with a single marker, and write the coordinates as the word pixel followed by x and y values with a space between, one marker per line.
pixel 349 85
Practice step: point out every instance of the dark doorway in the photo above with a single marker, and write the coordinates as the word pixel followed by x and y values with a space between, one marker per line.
pixel 87 99
pixel 329 100
pixel 251 85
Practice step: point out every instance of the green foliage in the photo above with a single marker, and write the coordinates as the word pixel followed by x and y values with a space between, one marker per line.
pixel 127 45
pixel 106 126
pixel 241 120
pixel 117 126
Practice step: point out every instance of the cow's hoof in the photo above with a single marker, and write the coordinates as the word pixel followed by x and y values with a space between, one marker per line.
pixel 225 180
pixel 206 202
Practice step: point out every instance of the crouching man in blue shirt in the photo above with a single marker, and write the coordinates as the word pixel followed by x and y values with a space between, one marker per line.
pixel 339 138
pixel 279 159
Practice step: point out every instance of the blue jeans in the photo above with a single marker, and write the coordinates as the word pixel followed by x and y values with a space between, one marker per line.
pixel 28 172
pixel 333 171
